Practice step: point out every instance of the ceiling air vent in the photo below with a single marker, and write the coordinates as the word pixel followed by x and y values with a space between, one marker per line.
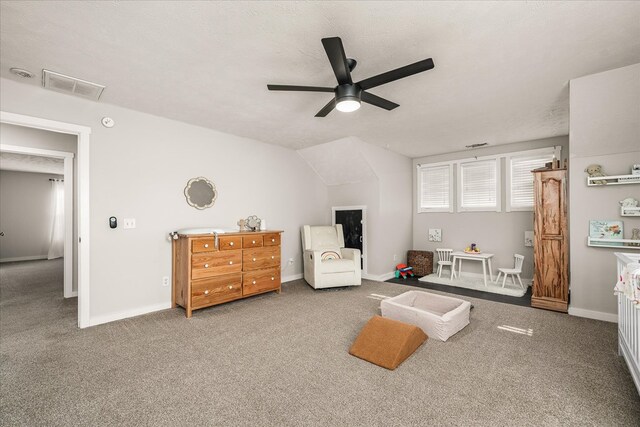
pixel 71 85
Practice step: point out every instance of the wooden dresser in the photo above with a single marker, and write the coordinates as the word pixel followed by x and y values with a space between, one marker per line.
pixel 241 265
pixel 550 241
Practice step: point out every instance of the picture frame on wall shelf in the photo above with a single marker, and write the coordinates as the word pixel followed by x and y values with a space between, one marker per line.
pixel 606 229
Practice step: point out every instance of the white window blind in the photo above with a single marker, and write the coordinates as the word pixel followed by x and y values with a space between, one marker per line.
pixel 435 188
pixel 478 184
pixel 521 178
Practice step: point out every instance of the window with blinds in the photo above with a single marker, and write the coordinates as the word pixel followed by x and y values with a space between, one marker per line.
pixel 520 178
pixel 435 188
pixel 478 185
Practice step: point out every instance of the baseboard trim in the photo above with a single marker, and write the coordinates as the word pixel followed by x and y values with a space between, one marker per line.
pixel 23 258
pixel 292 277
pixel 72 295
pixel 380 277
pixel 106 318
pixel 596 315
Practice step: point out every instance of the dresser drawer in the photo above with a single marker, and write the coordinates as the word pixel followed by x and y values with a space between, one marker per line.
pixel 259 281
pixel 252 241
pixel 257 259
pixel 272 239
pixel 206 244
pixel 216 290
pixel 216 263
pixel 226 243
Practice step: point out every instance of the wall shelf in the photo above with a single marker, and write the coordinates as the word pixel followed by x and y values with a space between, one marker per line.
pixel 613 180
pixel 627 211
pixel 607 243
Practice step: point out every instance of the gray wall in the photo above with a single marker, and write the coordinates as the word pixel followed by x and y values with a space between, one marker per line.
pixel 500 233
pixel 604 129
pixel 36 138
pixel 387 196
pixel 25 215
pixel 139 169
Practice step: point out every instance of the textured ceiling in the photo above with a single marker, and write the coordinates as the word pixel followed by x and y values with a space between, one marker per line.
pixel 27 163
pixel 501 69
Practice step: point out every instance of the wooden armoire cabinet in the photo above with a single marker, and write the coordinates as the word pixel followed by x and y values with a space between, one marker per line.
pixel 551 241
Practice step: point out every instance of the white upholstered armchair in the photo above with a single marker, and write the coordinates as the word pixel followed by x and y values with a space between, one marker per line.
pixel 327 263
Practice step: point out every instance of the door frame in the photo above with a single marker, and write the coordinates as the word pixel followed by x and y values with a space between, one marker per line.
pixel 364 228
pixel 82 198
pixel 67 157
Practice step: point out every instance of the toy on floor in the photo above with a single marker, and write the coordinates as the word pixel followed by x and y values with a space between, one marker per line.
pixel 402 270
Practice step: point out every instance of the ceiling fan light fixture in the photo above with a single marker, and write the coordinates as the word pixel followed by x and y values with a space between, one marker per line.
pixel 347 105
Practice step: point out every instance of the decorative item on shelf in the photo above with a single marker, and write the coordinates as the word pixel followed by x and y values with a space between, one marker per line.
pixel 242 224
pixel 595 171
pixel 472 249
pixel 435 235
pixel 635 169
pixel 253 223
pixel 629 207
pixel 635 235
pixel 609 230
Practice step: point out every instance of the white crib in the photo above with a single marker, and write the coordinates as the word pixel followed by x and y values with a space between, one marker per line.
pixel 629 324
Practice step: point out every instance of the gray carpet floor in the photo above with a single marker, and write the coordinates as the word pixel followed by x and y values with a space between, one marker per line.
pixel 276 360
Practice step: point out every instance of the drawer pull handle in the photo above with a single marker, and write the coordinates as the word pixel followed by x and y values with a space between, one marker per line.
pixel 230 287
pixel 230 262
pixel 273 278
pixel 273 240
pixel 253 242
pixel 206 292
pixel 206 266
pixel 254 259
pixel 272 257
pixel 231 244
pixel 206 245
pixel 254 282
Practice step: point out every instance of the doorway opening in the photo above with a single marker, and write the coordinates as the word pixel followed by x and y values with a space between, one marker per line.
pixel 354 221
pixel 80 242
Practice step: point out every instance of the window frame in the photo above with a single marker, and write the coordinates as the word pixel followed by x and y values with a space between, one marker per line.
pixel 554 151
pixel 498 205
pixel 419 169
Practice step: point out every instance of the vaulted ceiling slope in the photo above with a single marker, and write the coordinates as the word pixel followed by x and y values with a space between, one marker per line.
pixel 501 68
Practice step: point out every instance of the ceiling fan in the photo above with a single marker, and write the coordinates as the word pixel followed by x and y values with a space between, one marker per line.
pixel 349 95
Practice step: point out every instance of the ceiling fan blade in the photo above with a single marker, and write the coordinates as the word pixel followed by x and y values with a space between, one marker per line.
pixel 372 99
pixel 327 108
pixel 300 88
pixel 398 73
pixel 338 59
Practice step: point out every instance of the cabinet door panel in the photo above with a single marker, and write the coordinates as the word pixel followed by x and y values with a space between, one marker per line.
pixel 208 265
pixel 260 281
pixel 257 259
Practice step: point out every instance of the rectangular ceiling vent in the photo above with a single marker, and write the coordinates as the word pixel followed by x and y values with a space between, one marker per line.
pixel 71 85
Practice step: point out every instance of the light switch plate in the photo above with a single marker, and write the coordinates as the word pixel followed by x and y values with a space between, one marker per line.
pixel 129 223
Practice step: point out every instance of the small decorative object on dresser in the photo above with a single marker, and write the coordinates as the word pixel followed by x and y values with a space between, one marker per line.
pixel 253 223
pixel 242 223
pixel 595 171
pixel 214 269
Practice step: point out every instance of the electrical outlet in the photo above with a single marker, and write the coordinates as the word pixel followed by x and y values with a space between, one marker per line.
pixel 166 281
pixel 129 223
pixel 291 261
pixel 395 257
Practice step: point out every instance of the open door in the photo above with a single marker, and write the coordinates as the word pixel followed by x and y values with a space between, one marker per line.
pixel 353 220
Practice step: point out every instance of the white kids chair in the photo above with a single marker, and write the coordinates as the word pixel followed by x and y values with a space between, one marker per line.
pixel 514 272
pixel 444 259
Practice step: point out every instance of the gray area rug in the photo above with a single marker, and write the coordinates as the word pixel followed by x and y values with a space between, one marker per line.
pixel 276 360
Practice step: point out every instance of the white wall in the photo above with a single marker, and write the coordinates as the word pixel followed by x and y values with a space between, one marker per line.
pixel 36 138
pixel 362 174
pixel 604 129
pixel 25 215
pixel 139 169
pixel 500 233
